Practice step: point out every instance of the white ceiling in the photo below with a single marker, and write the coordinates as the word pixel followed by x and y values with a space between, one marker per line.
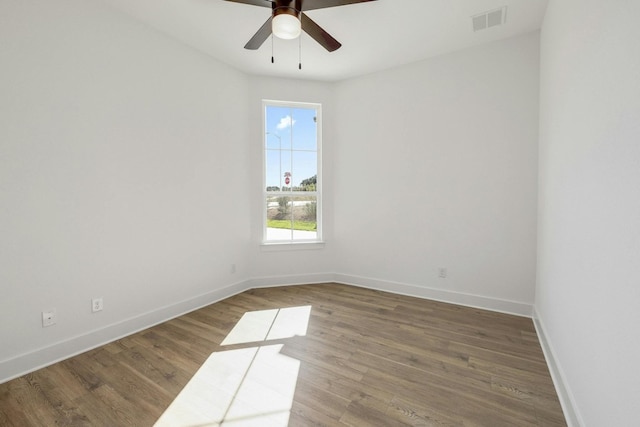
pixel 375 35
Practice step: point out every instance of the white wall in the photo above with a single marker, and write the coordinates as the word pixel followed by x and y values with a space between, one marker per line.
pixel 435 166
pixel 118 177
pixel 130 168
pixel 588 293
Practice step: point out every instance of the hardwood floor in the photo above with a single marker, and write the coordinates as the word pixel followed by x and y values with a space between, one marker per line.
pixel 365 358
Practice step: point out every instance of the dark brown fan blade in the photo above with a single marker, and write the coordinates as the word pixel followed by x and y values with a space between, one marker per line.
pixel 259 37
pixel 263 3
pixel 318 34
pixel 322 4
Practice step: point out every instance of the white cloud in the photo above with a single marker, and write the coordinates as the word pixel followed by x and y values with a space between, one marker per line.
pixel 286 122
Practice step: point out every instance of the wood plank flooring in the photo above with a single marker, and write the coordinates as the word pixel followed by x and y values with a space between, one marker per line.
pixel 368 358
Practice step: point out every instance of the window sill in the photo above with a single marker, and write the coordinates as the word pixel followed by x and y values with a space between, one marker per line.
pixel 290 246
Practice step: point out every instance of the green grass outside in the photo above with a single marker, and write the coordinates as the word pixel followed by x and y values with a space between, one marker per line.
pixel 297 225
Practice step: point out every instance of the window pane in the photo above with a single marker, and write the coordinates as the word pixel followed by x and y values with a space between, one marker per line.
pixel 277 170
pixel 305 170
pixel 279 218
pixel 278 122
pixel 305 225
pixel 305 129
pixel 292 218
pixel 272 170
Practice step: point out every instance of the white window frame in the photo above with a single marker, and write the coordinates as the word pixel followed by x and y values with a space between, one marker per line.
pixel 299 243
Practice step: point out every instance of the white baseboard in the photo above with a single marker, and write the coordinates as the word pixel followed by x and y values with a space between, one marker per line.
pixel 39 358
pixel 468 300
pixel 567 401
pixel 296 279
pixel 42 357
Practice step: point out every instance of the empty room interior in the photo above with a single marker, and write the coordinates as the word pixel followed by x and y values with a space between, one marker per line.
pixel 474 197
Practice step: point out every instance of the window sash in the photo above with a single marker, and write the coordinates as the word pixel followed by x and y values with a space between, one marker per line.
pixel 290 149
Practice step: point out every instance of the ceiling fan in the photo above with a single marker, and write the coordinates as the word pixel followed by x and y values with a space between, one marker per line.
pixel 288 20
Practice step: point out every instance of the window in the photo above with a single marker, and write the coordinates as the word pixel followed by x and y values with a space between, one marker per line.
pixel 292 173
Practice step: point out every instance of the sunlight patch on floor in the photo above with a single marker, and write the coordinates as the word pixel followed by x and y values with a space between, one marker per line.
pixel 245 386
pixel 274 324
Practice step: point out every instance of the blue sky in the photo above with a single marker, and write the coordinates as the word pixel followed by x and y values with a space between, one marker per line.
pixel 291 144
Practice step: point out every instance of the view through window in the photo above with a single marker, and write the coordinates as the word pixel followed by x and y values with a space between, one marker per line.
pixel 292 185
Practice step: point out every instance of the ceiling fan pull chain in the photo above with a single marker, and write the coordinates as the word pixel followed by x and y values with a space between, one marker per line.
pixel 300 52
pixel 300 46
pixel 272 48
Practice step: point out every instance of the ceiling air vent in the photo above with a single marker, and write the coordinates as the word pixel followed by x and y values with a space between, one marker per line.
pixel 490 18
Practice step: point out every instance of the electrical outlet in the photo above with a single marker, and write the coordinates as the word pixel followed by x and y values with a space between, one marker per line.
pixel 442 272
pixel 49 317
pixel 96 304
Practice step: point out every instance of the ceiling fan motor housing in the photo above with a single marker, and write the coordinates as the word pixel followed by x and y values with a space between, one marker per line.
pixel 292 8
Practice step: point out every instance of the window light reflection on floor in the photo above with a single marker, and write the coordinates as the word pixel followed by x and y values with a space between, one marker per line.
pixel 244 386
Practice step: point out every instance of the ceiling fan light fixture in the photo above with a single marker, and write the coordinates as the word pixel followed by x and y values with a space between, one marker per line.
pixel 286 26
